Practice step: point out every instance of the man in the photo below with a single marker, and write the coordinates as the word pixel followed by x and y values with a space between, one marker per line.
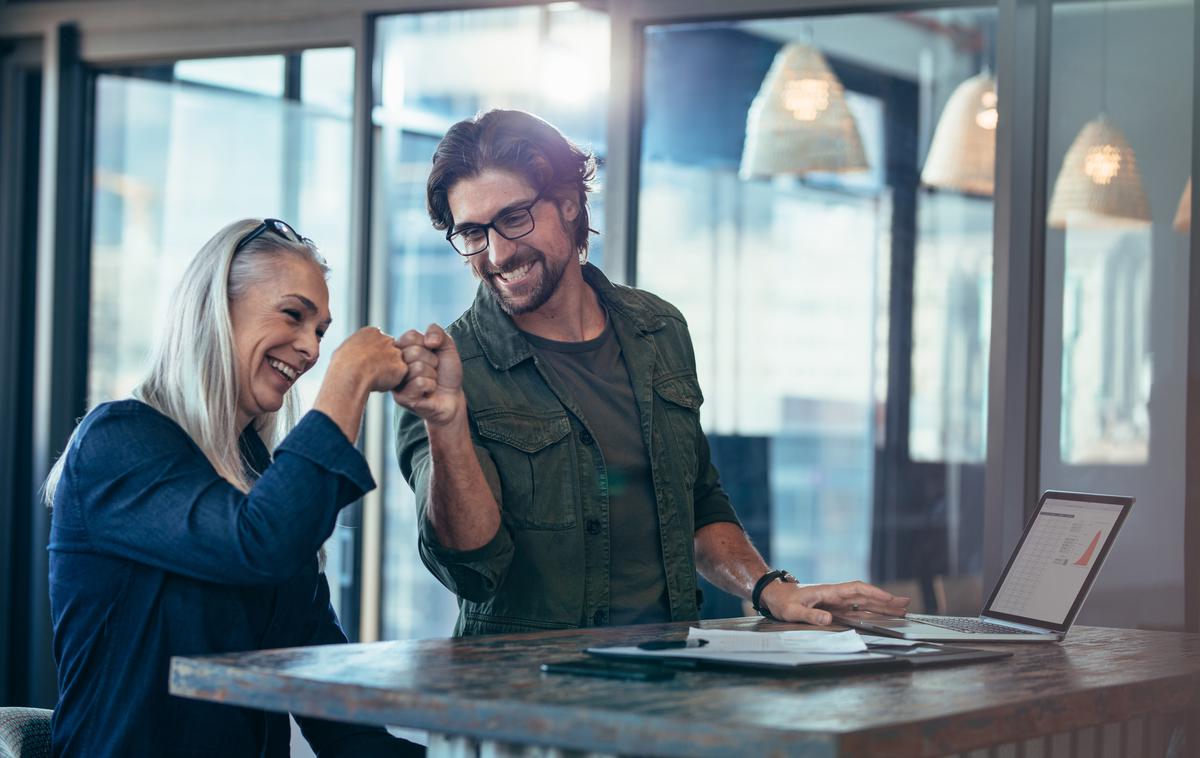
pixel 553 434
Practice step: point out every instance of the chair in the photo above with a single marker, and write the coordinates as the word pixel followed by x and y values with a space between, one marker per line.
pixel 24 732
pixel 958 595
pixel 910 588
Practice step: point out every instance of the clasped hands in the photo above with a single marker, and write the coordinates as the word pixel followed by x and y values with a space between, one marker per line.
pixel 432 387
pixel 421 370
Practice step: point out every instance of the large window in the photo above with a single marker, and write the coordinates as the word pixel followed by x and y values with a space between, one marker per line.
pixel 1117 259
pixel 181 150
pixel 436 69
pixel 815 197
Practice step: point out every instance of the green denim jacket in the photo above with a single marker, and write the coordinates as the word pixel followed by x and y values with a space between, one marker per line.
pixel 548 565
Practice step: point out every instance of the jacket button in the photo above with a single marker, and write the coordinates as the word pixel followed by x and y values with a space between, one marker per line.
pixel 598 618
pixel 593 526
pixel 586 437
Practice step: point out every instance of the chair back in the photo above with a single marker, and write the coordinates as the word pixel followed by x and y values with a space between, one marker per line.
pixel 24 732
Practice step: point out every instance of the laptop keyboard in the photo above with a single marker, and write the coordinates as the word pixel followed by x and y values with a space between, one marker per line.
pixel 965 624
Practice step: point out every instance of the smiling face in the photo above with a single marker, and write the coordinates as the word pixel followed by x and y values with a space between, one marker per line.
pixel 278 322
pixel 524 273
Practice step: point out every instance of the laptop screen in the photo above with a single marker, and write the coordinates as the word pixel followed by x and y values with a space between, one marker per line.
pixel 1057 559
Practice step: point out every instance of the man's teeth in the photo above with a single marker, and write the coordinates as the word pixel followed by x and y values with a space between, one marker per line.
pixel 283 368
pixel 516 273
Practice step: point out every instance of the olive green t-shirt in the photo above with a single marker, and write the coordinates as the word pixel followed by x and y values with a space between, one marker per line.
pixel 595 375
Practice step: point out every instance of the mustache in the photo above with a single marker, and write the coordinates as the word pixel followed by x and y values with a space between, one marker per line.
pixel 522 258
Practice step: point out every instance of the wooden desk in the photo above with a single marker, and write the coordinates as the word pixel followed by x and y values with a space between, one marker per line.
pixel 1138 683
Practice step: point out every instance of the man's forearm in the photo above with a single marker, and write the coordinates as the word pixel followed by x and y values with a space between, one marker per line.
pixel 725 557
pixel 462 511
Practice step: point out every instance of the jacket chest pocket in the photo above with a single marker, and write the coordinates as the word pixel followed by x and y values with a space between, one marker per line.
pixel 680 411
pixel 536 462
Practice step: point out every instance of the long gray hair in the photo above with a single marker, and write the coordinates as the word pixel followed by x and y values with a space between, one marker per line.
pixel 193 378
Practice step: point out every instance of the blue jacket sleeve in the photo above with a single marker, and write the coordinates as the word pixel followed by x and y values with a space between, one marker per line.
pixel 137 487
pixel 333 738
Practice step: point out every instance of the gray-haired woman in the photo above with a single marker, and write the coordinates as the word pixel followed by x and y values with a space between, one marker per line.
pixel 176 530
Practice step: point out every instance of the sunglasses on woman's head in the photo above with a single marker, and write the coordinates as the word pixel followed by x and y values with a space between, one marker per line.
pixel 281 228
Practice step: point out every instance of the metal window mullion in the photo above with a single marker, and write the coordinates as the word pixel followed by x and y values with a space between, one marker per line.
pixel 1018 296
pixel 9 358
pixel 624 144
pixel 682 11
pixel 370 303
pixel 1191 567
pixel 211 18
pixel 293 138
pixel 63 298
pixel 13 483
pixel 134 46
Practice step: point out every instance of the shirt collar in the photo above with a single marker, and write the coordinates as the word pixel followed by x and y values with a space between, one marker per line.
pixel 505 346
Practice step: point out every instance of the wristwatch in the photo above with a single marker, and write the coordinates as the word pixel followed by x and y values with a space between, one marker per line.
pixel 761 584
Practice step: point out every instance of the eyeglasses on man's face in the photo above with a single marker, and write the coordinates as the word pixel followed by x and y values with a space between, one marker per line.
pixel 511 224
pixel 275 226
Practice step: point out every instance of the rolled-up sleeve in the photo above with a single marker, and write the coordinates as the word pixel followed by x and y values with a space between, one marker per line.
pixel 710 502
pixel 471 574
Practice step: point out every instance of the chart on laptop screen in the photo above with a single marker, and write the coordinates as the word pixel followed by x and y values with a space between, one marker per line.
pixel 1055 559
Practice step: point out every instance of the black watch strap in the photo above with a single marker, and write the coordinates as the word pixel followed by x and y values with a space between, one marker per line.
pixel 761 584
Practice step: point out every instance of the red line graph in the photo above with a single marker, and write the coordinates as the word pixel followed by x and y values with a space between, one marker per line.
pixel 1086 558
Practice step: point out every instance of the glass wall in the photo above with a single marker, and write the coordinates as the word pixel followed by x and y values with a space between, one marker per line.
pixel 1114 380
pixel 436 69
pixel 815 196
pixel 181 150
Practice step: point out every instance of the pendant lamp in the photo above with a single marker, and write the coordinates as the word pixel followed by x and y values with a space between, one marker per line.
pixel 1183 216
pixel 1099 184
pixel 962 155
pixel 799 122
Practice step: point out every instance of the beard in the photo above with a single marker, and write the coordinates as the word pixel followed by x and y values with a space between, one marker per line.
pixel 542 289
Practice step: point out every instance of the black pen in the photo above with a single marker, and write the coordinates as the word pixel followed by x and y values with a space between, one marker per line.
pixel 671 644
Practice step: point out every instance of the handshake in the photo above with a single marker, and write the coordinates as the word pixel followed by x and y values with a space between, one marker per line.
pixel 421 370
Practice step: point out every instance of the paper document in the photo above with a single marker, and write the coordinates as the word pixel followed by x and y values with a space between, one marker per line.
pixel 733 641
pixel 871 639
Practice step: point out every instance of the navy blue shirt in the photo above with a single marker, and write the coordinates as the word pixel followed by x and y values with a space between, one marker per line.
pixel 153 554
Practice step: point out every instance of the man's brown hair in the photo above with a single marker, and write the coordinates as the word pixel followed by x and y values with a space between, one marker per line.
pixel 520 143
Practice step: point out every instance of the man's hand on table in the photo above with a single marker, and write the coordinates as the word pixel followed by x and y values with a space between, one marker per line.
pixel 805 602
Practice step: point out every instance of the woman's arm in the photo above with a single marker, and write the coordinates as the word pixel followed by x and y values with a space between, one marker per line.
pixel 368 361
pixel 136 487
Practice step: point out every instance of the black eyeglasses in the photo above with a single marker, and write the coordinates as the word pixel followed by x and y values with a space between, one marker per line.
pixel 510 224
pixel 281 228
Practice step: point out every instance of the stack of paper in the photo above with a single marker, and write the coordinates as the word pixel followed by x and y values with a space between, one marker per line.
pixel 797 641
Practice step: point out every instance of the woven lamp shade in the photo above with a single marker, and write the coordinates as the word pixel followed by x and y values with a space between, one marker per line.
pixel 799 122
pixel 1183 216
pixel 1099 184
pixel 962 155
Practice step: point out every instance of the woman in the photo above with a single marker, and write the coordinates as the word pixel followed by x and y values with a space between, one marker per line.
pixel 175 533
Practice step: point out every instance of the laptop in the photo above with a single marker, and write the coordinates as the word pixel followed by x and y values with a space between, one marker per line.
pixel 1043 586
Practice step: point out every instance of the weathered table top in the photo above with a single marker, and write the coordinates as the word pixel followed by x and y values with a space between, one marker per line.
pixel 491 688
